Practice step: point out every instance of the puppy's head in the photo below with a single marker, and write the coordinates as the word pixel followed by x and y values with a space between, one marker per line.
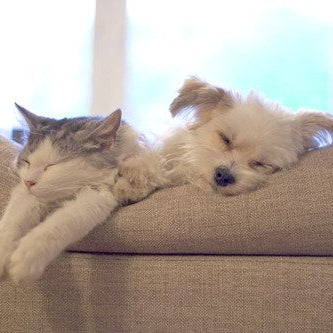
pixel 232 144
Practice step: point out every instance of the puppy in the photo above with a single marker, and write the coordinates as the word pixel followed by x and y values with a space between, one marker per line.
pixel 230 144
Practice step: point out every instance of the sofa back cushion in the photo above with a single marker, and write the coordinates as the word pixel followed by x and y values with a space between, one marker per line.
pixel 291 215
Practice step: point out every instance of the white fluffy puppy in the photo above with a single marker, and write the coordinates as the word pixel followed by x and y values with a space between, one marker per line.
pixel 231 144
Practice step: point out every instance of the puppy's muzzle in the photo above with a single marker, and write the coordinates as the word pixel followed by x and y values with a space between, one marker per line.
pixel 223 177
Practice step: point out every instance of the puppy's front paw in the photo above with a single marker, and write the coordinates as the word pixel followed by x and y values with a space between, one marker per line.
pixel 26 264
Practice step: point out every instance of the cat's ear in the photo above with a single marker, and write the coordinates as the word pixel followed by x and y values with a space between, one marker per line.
pixel 106 132
pixel 31 119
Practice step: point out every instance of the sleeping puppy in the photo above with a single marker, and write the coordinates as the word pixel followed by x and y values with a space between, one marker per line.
pixel 231 144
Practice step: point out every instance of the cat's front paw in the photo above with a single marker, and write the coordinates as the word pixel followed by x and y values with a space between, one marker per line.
pixel 134 184
pixel 128 191
pixel 3 262
pixel 26 265
pixel 6 249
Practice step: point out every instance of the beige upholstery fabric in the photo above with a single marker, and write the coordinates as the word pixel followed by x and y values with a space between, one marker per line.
pixel 293 214
pixel 104 293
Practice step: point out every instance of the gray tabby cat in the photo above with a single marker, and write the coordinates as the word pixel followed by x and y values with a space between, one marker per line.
pixel 69 171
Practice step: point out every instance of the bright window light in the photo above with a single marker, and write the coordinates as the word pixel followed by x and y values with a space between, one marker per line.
pixel 143 53
pixel 283 49
pixel 46 58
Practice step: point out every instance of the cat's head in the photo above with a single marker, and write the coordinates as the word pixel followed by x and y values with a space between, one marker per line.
pixel 61 156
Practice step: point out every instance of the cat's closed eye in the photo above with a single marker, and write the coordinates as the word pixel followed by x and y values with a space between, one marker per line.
pixel 26 162
pixel 49 165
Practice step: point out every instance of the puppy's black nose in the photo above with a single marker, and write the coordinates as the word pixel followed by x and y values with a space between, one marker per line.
pixel 223 177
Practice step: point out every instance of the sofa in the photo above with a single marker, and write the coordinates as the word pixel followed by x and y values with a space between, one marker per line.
pixel 186 261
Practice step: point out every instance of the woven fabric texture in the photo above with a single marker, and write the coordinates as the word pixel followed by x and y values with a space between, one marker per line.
pixel 291 215
pixel 104 293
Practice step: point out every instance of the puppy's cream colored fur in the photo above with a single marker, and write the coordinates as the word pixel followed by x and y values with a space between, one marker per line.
pixel 230 144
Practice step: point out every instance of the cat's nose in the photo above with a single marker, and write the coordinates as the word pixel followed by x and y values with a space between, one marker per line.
pixel 29 184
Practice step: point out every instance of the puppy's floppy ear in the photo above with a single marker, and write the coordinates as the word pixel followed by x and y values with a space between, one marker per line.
pixel 315 128
pixel 201 98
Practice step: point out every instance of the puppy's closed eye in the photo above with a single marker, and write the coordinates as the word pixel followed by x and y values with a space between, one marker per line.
pixel 226 140
pixel 263 167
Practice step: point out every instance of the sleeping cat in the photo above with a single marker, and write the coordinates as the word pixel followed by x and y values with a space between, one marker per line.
pixel 70 181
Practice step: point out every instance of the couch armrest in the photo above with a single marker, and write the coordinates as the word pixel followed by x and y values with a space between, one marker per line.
pixel 8 178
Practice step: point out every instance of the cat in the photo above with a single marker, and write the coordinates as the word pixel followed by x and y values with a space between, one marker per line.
pixel 73 174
